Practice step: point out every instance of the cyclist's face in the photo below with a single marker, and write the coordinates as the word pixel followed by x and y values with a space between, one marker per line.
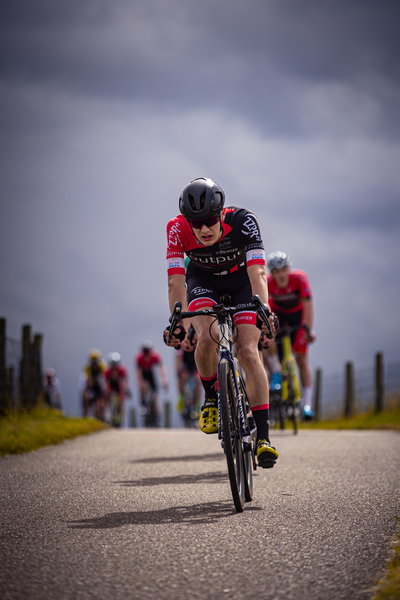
pixel 208 235
pixel 281 276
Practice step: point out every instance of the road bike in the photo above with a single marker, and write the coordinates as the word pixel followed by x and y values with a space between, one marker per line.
pixel 148 408
pixel 190 405
pixel 236 426
pixel 277 408
pixel 291 391
pixel 116 409
pixel 189 383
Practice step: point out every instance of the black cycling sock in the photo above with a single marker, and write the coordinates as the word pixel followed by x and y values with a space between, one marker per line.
pixel 261 417
pixel 209 387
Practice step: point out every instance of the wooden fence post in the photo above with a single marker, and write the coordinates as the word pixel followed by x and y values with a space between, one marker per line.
pixel 317 393
pixel 26 395
pixel 349 398
pixel 3 370
pixel 379 384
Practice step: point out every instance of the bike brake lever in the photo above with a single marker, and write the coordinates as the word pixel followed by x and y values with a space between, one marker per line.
pixel 174 319
pixel 264 315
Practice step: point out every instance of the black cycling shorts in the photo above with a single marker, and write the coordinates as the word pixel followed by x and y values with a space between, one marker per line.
pixel 205 289
pixel 297 337
pixel 149 376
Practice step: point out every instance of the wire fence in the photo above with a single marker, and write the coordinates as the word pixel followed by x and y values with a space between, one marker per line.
pixel 333 389
pixel 20 369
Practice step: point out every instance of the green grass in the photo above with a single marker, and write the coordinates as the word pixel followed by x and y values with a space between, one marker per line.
pixel 387 419
pixel 26 431
pixel 388 587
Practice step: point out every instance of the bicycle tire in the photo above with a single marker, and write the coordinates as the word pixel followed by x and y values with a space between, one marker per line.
pixel 231 434
pixel 291 400
pixel 248 453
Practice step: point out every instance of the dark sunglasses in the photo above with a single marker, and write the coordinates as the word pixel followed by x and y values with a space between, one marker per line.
pixel 198 223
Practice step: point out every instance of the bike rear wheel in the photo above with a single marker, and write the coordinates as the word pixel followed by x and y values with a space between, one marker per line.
pixel 231 434
pixel 291 401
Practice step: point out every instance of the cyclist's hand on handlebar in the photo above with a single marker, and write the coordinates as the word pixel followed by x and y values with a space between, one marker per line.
pixel 310 335
pixel 189 345
pixel 274 322
pixel 177 337
pixel 265 342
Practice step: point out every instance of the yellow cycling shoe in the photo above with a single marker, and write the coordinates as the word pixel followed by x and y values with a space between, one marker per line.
pixel 266 454
pixel 208 421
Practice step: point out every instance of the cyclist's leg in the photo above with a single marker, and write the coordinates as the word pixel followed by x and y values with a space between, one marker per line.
pixel 257 390
pixel 206 358
pixel 203 293
pixel 256 376
pixel 300 351
pixel 154 400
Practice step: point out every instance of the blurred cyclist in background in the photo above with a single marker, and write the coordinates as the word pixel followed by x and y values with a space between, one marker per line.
pixel 290 298
pixel 52 389
pixel 93 385
pixel 117 388
pixel 189 382
pixel 147 361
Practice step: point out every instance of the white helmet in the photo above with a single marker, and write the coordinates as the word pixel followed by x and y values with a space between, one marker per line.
pixel 278 260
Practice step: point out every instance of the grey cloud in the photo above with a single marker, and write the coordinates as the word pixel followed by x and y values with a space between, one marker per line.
pixel 252 56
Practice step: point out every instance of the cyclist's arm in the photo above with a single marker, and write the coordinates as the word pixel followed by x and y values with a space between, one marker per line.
pixel 176 290
pixel 258 281
pixel 163 375
pixel 308 317
pixel 259 286
pixel 177 293
pixel 139 376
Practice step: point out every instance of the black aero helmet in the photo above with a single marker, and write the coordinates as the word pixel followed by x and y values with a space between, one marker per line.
pixel 201 198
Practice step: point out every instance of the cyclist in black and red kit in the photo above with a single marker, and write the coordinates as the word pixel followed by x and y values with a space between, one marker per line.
pixel 226 257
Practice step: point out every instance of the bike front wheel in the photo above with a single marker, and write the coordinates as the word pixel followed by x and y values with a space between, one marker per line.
pixel 231 434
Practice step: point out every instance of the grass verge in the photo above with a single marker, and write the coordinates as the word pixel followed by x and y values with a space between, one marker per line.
pixel 388 588
pixel 24 432
pixel 387 419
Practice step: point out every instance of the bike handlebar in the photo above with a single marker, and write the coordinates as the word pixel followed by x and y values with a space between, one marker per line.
pixel 219 310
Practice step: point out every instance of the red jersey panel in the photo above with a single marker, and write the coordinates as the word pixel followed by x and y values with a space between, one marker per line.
pixel 289 299
pixel 146 361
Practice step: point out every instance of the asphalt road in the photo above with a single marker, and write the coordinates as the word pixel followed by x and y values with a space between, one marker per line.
pixel 148 514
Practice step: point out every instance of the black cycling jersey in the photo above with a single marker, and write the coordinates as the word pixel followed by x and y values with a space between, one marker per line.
pixel 239 245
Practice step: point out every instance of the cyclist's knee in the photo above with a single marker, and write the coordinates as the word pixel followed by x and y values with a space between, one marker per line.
pixel 205 343
pixel 248 355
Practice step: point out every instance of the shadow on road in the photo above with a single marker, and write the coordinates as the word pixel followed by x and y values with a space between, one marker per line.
pixel 189 515
pixel 195 457
pixel 217 477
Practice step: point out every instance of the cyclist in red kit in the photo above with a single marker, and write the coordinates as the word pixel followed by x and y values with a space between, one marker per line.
pixel 226 257
pixel 117 387
pixel 290 298
pixel 147 360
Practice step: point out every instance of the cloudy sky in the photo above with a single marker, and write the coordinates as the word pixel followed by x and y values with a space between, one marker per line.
pixel 108 109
